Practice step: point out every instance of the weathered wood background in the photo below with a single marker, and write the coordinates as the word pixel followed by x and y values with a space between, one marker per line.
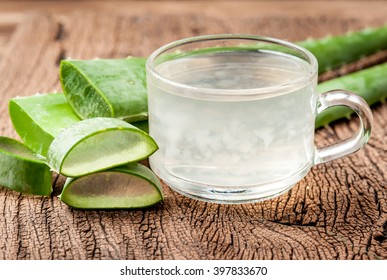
pixel 339 211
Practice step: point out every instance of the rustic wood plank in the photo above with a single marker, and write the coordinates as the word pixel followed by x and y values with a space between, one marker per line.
pixel 224 9
pixel 13 12
pixel 22 61
pixel 338 211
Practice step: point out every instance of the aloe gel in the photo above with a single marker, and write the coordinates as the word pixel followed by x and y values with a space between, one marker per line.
pixel 123 187
pixel 98 144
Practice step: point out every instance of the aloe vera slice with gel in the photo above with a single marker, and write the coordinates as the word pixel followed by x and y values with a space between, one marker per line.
pixel 39 118
pixel 113 88
pixel 123 187
pixel 21 170
pixel 98 144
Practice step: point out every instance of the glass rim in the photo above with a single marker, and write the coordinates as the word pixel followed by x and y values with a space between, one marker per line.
pixel 265 91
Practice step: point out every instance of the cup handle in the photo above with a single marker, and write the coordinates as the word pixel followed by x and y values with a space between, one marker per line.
pixel 351 145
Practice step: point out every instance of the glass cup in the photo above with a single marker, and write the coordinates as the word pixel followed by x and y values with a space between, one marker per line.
pixel 234 116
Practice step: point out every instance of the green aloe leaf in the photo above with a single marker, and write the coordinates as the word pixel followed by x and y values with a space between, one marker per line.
pixel 21 170
pixel 39 118
pixel 128 186
pixel 106 87
pixel 370 83
pixel 334 51
pixel 98 144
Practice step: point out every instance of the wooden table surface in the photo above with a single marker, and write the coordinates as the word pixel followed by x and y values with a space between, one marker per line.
pixel 338 211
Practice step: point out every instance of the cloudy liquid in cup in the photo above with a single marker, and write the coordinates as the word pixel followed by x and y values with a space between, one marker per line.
pixel 232 139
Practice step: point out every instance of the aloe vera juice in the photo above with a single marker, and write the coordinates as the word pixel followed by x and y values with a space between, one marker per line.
pixel 230 124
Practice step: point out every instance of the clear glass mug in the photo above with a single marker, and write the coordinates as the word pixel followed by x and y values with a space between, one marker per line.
pixel 234 116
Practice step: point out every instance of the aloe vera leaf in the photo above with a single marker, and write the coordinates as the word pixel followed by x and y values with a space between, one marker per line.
pixel 334 51
pixel 370 83
pixel 21 170
pixel 124 187
pixel 106 87
pixel 39 118
pixel 98 144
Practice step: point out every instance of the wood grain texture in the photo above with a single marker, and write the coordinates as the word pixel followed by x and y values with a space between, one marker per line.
pixel 338 211
pixel 12 12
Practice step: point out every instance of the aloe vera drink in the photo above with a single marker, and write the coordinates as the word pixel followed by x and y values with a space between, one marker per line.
pixel 222 129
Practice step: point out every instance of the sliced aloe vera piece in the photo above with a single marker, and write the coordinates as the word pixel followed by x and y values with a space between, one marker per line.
pixel 39 118
pixel 98 144
pixel 106 87
pixel 128 186
pixel 21 170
